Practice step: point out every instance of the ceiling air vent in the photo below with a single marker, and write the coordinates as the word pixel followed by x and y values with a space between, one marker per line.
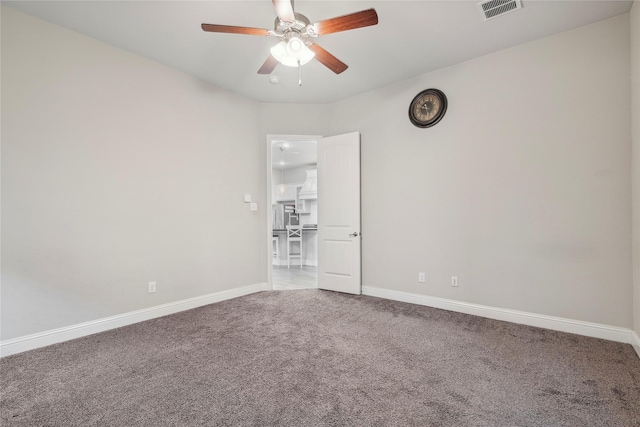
pixel 494 8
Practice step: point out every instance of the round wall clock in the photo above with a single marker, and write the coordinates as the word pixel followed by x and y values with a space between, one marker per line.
pixel 427 108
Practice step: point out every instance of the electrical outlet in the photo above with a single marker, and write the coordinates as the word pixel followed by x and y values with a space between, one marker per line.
pixel 152 287
pixel 421 277
pixel 454 280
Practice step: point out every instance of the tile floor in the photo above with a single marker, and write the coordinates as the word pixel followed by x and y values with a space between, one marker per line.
pixel 295 277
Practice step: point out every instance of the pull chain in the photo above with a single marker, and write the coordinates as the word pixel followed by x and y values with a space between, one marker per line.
pixel 299 74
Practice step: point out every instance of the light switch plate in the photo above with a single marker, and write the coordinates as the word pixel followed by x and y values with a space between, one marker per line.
pixel 247 198
pixel 253 207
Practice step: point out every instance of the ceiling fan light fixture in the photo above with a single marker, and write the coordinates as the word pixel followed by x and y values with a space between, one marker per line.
pixel 294 46
pixel 292 53
pixel 293 29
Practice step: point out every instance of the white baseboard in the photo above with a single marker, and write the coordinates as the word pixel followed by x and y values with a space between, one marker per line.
pixel 636 342
pixel 42 339
pixel 596 330
pixel 54 336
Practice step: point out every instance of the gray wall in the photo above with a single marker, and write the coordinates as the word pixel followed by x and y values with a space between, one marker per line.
pixel 523 190
pixel 117 171
pixel 635 110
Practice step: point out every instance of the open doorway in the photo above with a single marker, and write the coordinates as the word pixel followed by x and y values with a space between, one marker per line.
pixel 293 219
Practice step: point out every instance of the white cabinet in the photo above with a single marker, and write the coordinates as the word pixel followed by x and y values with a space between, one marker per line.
pixel 290 194
pixel 300 193
pixel 303 206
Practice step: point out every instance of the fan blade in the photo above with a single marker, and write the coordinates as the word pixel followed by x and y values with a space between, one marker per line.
pixel 214 28
pixel 328 60
pixel 284 10
pixel 268 66
pixel 364 18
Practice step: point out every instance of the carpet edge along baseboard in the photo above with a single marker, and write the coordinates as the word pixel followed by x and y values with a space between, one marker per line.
pixel 54 336
pixel 595 330
pixel 589 329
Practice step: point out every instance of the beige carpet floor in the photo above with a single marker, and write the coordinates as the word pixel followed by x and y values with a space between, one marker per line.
pixel 316 358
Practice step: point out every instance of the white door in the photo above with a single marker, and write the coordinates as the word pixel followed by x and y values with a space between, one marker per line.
pixel 339 213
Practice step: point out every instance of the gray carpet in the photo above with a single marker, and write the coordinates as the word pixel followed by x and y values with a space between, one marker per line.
pixel 315 358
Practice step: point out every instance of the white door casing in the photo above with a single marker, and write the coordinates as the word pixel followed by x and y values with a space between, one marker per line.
pixel 339 240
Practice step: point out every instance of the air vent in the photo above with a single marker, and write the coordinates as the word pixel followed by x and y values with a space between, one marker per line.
pixel 494 8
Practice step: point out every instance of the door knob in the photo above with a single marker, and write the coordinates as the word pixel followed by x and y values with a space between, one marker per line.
pixel 354 234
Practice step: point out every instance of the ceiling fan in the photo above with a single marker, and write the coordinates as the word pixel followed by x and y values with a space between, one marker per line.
pixel 294 31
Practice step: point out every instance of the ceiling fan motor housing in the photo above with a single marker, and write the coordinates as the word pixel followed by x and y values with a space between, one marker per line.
pixel 285 30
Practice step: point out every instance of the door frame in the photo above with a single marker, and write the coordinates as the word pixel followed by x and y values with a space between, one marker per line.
pixel 269 201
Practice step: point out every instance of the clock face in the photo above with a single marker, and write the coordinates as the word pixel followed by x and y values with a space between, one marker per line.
pixel 427 108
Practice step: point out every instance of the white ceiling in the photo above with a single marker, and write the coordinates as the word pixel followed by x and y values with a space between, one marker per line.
pixel 412 38
pixel 296 153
